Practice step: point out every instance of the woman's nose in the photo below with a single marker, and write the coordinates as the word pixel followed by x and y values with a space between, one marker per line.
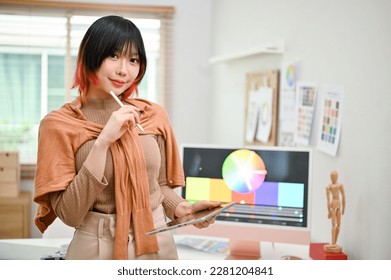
pixel 121 68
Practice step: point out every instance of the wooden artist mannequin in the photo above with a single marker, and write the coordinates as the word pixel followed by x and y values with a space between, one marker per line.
pixel 334 203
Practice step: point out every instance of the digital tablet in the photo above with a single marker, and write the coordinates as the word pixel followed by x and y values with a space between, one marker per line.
pixel 191 219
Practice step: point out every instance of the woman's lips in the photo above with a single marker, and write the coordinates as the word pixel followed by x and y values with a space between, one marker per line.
pixel 118 84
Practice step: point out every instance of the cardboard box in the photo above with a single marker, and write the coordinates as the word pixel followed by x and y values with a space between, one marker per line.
pixel 9 174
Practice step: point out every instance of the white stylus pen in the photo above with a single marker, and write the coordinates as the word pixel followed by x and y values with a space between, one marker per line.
pixel 121 104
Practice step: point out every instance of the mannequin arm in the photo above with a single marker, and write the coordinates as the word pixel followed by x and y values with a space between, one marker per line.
pixel 343 199
pixel 328 202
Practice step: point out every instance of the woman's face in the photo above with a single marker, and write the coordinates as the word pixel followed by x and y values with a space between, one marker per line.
pixel 117 73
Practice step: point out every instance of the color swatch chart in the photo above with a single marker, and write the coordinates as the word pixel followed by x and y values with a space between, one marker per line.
pixel 305 102
pixel 330 120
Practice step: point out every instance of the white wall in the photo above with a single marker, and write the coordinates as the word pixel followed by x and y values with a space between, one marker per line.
pixel 339 42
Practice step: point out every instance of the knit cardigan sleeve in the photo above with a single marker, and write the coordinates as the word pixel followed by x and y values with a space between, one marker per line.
pixel 171 197
pixel 60 135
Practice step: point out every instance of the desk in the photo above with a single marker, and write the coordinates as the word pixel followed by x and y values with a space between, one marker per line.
pixel 30 248
pixel 269 251
pixel 34 248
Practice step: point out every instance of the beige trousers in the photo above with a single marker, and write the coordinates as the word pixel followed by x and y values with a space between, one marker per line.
pixel 94 239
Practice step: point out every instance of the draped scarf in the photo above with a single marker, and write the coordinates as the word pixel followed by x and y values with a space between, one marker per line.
pixel 63 131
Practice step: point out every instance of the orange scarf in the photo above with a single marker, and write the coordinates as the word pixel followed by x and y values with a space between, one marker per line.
pixel 62 132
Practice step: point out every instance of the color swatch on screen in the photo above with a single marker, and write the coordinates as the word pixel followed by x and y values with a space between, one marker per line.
pixel 282 194
pixel 243 171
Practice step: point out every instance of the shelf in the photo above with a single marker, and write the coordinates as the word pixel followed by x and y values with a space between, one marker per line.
pixel 272 48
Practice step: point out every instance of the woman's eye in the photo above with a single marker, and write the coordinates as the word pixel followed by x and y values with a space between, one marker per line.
pixel 134 60
pixel 113 55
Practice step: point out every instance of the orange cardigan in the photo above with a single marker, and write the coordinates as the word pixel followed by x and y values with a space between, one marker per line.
pixel 62 132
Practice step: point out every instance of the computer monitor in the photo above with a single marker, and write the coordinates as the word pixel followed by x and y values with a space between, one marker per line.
pixel 271 206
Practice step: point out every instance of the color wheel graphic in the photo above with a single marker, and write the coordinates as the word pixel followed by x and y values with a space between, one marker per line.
pixel 290 75
pixel 244 171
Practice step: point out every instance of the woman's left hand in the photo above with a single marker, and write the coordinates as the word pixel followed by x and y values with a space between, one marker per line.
pixel 185 208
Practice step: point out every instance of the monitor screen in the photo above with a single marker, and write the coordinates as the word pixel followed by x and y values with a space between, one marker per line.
pixel 269 185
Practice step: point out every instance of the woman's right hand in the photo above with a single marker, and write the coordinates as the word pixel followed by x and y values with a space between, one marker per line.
pixel 120 120
pixel 118 123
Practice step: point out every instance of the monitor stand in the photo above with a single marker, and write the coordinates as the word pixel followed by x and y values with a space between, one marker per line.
pixel 244 250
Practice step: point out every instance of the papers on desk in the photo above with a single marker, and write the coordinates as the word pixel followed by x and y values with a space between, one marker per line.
pixel 202 244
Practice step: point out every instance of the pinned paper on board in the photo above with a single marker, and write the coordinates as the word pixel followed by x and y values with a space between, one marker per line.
pixel 252 115
pixel 290 72
pixel 265 114
pixel 261 108
pixel 331 119
pixel 305 103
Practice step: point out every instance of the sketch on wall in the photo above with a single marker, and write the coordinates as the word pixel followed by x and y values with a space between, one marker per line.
pixel 261 108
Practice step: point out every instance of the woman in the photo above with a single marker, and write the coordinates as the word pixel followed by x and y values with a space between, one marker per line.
pixel 96 170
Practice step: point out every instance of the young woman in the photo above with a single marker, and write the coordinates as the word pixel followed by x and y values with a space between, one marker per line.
pixel 100 173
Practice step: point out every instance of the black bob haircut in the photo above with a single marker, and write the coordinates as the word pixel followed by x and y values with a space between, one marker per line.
pixel 106 36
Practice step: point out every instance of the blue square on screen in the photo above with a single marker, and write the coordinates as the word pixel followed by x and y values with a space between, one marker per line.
pixel 291 195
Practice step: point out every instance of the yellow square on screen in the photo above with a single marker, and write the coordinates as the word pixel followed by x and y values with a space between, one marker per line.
pixel 197 188
pixel 219 191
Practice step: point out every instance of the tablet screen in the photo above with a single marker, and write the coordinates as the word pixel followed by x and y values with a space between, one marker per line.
pixel 193 218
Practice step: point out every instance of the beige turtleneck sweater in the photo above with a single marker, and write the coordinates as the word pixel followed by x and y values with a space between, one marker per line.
pixel 87 193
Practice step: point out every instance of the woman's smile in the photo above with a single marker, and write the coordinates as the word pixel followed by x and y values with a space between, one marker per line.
pixel 117 83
